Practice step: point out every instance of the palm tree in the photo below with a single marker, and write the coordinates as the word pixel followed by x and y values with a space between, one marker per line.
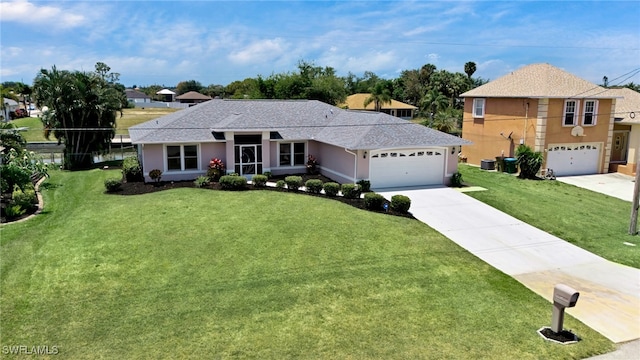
pixel 380 94
pixel 448 121
pixel 433 102
pixel 470 68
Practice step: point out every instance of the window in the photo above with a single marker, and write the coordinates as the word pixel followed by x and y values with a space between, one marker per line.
pixel 590 112
pixel 182 157
pixel 292 154
pixel 478 108
pixel 570 107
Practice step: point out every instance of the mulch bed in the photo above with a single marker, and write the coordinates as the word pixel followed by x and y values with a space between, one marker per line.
pixel 137 188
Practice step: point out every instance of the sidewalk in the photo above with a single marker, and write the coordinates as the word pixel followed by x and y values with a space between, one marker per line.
pixel 609 292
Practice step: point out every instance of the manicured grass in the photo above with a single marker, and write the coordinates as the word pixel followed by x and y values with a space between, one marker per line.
pixel 129 118
pixel 261 274
pixel 590 220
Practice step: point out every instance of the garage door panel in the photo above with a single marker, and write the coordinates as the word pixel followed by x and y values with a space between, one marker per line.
pixel 574 159
pixel 406 168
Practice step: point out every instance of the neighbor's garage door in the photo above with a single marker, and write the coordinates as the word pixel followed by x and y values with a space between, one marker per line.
pixel 406 168
pixel 574 159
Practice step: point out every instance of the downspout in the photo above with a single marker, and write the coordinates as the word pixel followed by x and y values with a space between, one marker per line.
pixel 526 122
pixel 355 164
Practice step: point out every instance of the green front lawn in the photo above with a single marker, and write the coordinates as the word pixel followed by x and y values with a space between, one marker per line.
pixel 194 273
pixel 590 220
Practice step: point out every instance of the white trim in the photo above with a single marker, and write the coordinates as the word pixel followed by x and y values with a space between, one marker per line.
pixel 575 112
pixel 594 120
pixel 182 168
pixel 292 154
pixel 483 104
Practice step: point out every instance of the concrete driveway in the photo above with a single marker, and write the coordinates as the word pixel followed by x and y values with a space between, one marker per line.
pixel 614 184
pixel 609 292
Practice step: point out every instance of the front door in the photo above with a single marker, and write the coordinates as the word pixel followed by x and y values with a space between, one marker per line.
pixel 248 160
pixel 619 147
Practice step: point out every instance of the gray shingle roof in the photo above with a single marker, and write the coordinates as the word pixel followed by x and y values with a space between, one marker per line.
pixel 294 120
pixel 539 81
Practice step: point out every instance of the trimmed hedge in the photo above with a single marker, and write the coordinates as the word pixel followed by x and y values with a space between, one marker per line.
pixel 232 182
pixel 364 185
pixel 293 182
pixel 112 185
pixel 373 201
pixel 314 186
pixel 131 169
pixel 280 184
pixel 259 180
pixel 350 191
pixel 331 188
pixel 400 203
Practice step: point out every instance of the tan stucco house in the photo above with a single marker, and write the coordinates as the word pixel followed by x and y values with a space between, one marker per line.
pixel 255 136
pixel 569 119
pixel 395 108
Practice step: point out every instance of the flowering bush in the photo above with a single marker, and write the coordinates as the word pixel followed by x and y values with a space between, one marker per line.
pixel 312 165
pixel 216 169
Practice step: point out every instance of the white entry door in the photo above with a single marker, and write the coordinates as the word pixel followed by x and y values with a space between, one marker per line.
pixel 574 159
pixel 412 167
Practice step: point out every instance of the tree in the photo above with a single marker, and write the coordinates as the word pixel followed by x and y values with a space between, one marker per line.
pixel 82 110
pixel 470 68
pixel 380 94
pixel 433 102
pixel 448 120
pixel 10 138
pixel 189 85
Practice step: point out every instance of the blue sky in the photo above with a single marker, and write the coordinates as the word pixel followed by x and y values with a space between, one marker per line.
pixel 217 42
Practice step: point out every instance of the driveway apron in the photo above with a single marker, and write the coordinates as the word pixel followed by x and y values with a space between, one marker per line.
pixel 609 292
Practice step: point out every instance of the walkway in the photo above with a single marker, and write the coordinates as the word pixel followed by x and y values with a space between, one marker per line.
pixel 609 293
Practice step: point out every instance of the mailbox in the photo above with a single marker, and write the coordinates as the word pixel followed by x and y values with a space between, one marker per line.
pixel 565 296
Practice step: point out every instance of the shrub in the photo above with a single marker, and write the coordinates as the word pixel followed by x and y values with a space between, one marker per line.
pixel 231 182
pixel 13 211
pixel 112 185
pixel 373 201
pixel 350 191
pixel 216 169
pixel 280 184
pixel 131 169
pixel 259 180
pixel 155 175
pixel 293 182
pixel 400 203
pixel 312 165
pixel 528 161
pixel 364 185
pixel 331 188
pixel 314 186
pixel 201 181
pixel 267 174
pixel 13 175
pixel 24 198
pixel 456 179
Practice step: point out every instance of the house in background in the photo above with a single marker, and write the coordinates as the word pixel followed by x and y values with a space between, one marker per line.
pixel 625 147
pixel 569 119
pixel 167 95
pixel 395 108
pixel 9 106
pixel 137 97
pixel 255 136
pixel 192 97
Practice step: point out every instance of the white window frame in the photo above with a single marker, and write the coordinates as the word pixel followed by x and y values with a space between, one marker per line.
pixel 182 158
pixel 593 112
pixel 292 153
pixel 575 112
pixel 479 103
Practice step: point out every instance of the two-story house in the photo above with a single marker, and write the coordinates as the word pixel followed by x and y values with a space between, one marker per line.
pixel 555 112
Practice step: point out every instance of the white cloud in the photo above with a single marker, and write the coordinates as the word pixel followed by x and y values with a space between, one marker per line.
pixel 259 51
pixel 25 12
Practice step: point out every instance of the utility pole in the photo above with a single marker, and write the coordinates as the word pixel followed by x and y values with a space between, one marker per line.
pixel 633 227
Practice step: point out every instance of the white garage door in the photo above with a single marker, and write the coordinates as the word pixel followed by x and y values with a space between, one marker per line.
pixel 414 167
pixel 574 159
